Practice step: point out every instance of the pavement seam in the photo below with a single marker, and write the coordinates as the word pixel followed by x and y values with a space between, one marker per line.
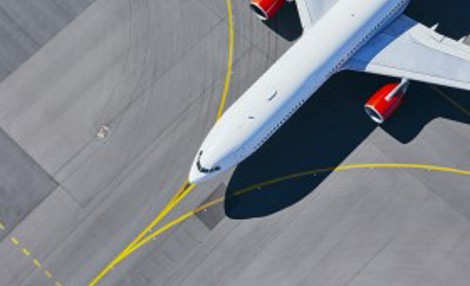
pixel 92 139
pixel 12 19
pixel 133 165
pixel 435 194
pixel 120 115
pixel 37 46
pixel 127 57
pixel 210 9
pixel 71 196
pixel 449 99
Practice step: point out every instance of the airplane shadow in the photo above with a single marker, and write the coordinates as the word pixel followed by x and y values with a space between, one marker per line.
pixel 322 134
pixel 286 23
pixel 330 125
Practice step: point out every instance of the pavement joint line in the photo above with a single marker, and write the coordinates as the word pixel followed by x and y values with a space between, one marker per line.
pixel 450 100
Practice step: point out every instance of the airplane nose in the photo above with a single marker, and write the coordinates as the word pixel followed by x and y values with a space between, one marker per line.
pixel 195 176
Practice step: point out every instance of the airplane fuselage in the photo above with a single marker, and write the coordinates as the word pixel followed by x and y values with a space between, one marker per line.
pixel 323 50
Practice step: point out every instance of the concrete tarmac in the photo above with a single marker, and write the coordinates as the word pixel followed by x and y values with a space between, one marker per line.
pixel 151 73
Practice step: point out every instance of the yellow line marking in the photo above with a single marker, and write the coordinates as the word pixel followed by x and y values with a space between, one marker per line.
pixel 450 100
pixel 240 192
pixel 2 226
pixel 15 240
pixel 173 223
pixel 186 188
pixel 48 274
pixel 231 46
pixel 26 251
pixel 296 176
pixel 36 262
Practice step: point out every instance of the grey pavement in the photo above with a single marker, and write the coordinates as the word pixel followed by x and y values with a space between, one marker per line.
pixel 23 184
pixel 153 72
pixel 27 25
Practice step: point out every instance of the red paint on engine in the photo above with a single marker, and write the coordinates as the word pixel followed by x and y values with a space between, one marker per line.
pixel 265 9
pixel 379 103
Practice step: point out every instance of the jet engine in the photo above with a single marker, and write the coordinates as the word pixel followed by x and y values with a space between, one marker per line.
pixel 265 9
pixel 386 101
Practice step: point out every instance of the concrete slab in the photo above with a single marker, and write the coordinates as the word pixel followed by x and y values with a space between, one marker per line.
pixel 211 217
pixel 23 184
pixel 28 25
pixel 16 45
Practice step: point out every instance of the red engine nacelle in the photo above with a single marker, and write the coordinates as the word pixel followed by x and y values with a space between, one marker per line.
pixel 265 9
pixel 386 101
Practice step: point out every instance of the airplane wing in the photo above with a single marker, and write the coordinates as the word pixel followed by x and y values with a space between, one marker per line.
pixel 407 49
pixel 312 10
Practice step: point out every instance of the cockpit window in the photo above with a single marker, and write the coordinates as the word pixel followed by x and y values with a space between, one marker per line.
pixel 205 170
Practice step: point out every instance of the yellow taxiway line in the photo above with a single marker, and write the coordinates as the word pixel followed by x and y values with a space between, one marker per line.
pixel 252 188
pixel 231 48
pixel 186 188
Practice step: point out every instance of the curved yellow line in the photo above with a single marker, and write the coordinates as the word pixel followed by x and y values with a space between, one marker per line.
pixel 186 188
pixel 187 215
pixel 231 47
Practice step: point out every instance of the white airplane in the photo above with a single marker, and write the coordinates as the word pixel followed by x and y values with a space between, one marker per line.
pixel 362 35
